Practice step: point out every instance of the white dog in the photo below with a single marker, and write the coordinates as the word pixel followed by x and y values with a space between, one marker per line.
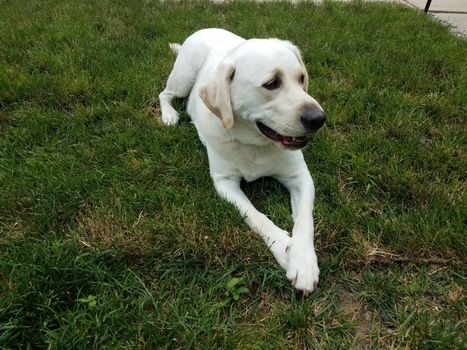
pixel 248 100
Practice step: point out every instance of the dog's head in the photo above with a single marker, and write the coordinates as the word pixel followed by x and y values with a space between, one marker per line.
pixel 262 85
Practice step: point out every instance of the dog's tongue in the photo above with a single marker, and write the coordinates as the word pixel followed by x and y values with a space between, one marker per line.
pixel 288 141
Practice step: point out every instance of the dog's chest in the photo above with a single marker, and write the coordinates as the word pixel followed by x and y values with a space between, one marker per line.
pixel 252 163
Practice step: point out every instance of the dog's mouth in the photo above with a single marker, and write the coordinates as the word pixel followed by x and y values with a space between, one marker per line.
pixel 292 142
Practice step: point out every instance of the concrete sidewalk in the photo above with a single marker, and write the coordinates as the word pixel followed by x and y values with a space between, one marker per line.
pixel 451 12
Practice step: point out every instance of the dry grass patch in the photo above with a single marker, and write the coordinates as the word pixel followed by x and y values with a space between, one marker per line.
pixel 13 230
pixel 104 231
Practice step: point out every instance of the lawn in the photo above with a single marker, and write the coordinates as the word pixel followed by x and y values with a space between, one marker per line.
pixel 111 233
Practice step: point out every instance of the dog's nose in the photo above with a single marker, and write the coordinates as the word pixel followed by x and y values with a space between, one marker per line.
pixel 313 119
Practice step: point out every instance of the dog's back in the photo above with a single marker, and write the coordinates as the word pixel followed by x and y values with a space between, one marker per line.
pixel 196 48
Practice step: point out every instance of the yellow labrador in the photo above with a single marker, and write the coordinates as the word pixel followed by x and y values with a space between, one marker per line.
pixel 248 100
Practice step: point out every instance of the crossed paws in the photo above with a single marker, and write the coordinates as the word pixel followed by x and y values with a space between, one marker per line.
pixel 298 258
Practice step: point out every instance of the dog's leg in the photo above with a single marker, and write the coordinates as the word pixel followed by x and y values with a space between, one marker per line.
pixel 277 239
pixel 179 84
pixel 302 267
pixel 169 114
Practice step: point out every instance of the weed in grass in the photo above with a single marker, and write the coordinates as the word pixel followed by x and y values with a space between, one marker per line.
pixel 234 288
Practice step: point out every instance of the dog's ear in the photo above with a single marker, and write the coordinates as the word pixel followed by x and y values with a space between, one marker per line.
pixel 297 53
pixel 216 94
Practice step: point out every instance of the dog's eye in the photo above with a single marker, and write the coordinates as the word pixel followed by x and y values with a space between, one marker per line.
pixel 302 79
pixel 272 84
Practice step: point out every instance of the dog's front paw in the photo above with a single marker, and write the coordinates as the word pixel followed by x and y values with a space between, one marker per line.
pixel 170 117
pixel 302 266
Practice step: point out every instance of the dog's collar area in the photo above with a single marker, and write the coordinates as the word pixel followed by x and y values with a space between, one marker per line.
pixel 291 142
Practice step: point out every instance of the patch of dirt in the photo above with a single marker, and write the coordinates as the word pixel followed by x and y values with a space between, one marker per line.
pixel 356 313
pixel 153 111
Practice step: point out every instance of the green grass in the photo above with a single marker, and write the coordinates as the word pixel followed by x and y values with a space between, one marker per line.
pixel 112 236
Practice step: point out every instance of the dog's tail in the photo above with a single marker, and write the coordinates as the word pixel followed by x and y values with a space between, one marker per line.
pixel 175 48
